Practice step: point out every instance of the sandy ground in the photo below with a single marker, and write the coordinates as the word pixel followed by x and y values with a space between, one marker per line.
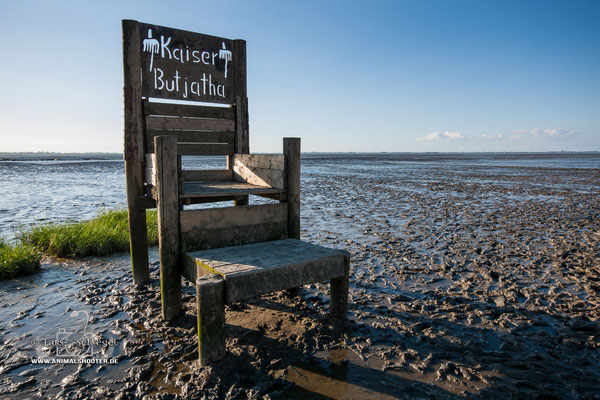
pixel 474 283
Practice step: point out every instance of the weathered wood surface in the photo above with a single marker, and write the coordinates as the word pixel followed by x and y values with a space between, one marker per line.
pixel 183 110
pixel 259 169
pixel 150 192
pixel 232 226
pixel 204 149
pixel 271 178
pixel 193 136
pixel 150 162
pixel 240 93
pixel 202 200
pixel 228 188
pixel 260 160
pixel 210 310
pixel 338 292
pixel 150 159
pixel 134 151
pixel 146 202
pixel 150 176
pixel 215 175
pixel 259 268
pixel 241 98
pixel 195 124
pixel 242 135
pixel 168 225
pixel 291 151
pixel 189 137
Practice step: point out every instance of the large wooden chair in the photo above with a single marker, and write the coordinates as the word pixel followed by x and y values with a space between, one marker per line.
pixel 232 253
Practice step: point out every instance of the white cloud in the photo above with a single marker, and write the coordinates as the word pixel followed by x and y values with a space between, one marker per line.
pixel 515 135
pixel 541 133
pixel 447 135
pixel 485 136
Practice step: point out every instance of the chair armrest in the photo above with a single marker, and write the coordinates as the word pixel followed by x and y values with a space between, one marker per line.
pixel 260 169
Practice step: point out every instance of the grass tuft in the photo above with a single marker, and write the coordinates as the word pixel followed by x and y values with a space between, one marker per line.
pixel 20 259
pixel 106 234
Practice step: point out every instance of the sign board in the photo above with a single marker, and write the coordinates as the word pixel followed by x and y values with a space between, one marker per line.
pixel 183 65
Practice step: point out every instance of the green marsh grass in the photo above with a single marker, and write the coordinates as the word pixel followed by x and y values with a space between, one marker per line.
pixel 106 234
pixel 20 259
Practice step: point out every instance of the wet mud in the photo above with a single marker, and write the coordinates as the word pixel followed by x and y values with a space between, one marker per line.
pixel 467 281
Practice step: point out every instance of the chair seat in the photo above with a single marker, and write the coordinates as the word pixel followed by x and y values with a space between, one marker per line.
pixel 208 189
pixel 259 268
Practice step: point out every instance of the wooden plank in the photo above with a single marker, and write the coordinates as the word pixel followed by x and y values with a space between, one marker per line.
pixel 150 192
pixel 182 110
pixel 201 200
pixel 146 202
pixel 231 226
pixel 273 178
pixel 242 141
pixel 204 149
pixel 196 124
pixel 260 160
pixel 239 72
pixel 259 169
pixel 233 236
pixel 291 151
pixel 150 170
pixel 216 218
pixel 210 314
pixel 241 97
pixel 168 225
pixel 272 196
pixel 259 268
pixel 150 176
pixel 219 175
pixel 179 174
pixel 338 292
pixel 192 136
pixel 134 151
pixel 150 159
pixel 219 189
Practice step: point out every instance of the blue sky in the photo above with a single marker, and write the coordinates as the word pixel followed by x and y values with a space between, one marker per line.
pixel 343 75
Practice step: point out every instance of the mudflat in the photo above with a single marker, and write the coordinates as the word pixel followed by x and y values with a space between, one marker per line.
pixel 468 280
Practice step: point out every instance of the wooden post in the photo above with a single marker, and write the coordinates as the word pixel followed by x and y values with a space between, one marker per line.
pixel 167 185
pixel 134 151
pixel 210 297
pixel 291 151
pixel 338 295
pixel 242 145
pixel 241 140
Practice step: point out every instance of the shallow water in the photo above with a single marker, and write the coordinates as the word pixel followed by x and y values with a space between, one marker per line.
pixel 470 277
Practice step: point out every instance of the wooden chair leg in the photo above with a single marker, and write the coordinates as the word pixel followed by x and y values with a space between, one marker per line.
pixel 138 243
pixel 210 297
pixel 167 205
pixel 338 303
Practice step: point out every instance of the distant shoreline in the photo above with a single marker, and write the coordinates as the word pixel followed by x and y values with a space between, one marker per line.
pixel 26 156
pixel 400 156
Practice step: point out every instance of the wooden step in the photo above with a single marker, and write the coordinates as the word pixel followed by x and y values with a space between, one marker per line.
pixel 265 267
pixel 208 189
